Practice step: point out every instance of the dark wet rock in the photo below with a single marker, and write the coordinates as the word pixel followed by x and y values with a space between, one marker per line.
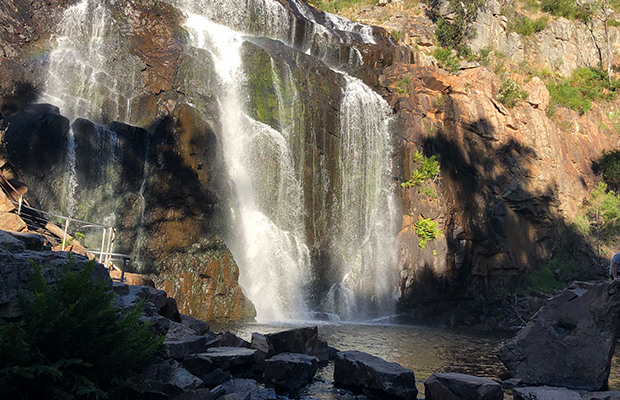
pixel 198 364
pixel 362 372
pixel 198 394
pixel 179 349
pixel 32 241
pixel 170 377
pixel 200 327
pixel 545 393
pixel 215 377
pixel 213 339
pixel 229 339
pixel 612 395
pixel 234 359
pixel 129 296
pixel 300 340
pixel 453 386
pixel 159 325
pixel 260 343
pixel 178 331
pixel 247 389
pixel 170 310
pixel 570 341
pixel 288 372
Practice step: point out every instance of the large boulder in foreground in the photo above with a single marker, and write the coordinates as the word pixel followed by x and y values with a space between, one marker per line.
pixel 364 373
pixel 300 340
pixel 545 393
pixel 453 386
pixel 289 372
pixel 570 341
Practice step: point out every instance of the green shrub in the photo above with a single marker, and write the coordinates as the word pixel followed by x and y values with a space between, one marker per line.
pixel 446 59
pixel 560 8
pixel 584 86
pixel 526 26
pixel 510 93
pixel 426 230
pixel 429 169
pixel 397 35
pixel 610 167
pixel 553 276
pixel 452 34
pixel 72 342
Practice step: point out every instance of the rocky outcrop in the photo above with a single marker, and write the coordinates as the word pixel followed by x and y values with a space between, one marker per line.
pixel 453 386
pixel 372 375
pixel 570 341
pixel 563 46
pixel 16 268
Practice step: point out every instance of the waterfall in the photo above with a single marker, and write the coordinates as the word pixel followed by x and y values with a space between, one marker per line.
pixel 90 74
pixel 368 212
pixel 274 159
pixel 70 175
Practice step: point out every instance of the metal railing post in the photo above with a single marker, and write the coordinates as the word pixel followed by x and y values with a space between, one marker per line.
pixel 102 246
pixel 64 238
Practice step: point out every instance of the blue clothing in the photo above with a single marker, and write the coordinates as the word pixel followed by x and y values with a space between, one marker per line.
pixel 615 259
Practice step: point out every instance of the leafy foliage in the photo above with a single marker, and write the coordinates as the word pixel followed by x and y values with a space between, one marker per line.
pixel 584 86
pixel 510 93
pixel 426 230
pixel 610 167
pixel 72 342
pixel 452 34
pixel 526 26
pixel 429 169
pixel 567 8
pixel 553 276
pixel 446 59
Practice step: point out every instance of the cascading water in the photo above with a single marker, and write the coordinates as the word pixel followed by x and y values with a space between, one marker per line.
pixel 269 159
pixel 367 209
pixel 269 242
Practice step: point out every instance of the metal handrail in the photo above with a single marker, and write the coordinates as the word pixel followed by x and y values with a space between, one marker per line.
pixel 109 232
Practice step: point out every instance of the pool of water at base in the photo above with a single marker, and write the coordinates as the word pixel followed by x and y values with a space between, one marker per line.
pixel 425 350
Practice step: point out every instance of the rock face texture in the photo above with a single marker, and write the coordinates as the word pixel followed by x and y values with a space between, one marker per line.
pixel 17 253
pixel 289 372
pixel 570 341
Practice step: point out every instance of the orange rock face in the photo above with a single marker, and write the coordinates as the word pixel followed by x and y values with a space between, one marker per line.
pixel 204 281
pixel 511 182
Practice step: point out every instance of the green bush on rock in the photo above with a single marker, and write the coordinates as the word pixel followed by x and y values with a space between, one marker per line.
pixel 426 230
pixel 72 342
pixel 510 93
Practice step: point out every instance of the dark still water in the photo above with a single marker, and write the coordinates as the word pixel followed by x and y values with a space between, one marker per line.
pixel 424 350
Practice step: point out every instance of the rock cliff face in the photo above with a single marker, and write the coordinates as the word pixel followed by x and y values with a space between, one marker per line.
pixel 511 180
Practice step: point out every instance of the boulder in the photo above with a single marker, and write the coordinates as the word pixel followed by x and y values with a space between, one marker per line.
pixel 198 364
pixel 246 389
pixel 159 324
pixel 234 359
pixel 130 295
pixel 301 341
pixel 198 326
pixel 453 386
pixel 32 241
pixel 362 372
pixel 570 341
pixel 545 393
pixel 12 222
pixel 215 377
pixel 289 372
pixel 179 331
pixel 179 349
pixel 170 310
pixel 170 377
pixel 260 343
pixel 198 394
pixel 614 395
pixel 229 339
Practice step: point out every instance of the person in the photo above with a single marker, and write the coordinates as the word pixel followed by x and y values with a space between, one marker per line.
pixel 613 266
